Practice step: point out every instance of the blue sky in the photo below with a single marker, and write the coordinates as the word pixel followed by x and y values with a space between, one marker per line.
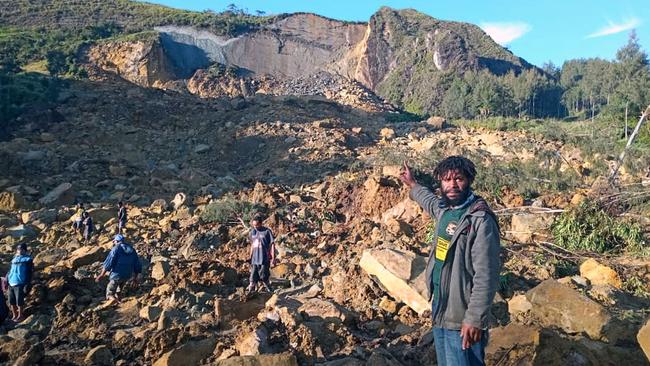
pixel 538 31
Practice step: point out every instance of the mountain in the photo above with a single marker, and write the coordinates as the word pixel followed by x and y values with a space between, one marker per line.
pixel 405 57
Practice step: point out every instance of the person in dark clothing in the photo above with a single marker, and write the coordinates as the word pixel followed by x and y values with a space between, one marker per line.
pixel 122 264
pixel 262 254
pixel 462 273
pixel 121 217
pixel 88 226
pixel 19 279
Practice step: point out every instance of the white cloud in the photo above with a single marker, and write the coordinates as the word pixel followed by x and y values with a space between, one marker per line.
pixel 613 28
pixel 505 32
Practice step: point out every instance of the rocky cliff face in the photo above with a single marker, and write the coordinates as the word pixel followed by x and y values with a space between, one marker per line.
pixel 395 49
pixel 144 63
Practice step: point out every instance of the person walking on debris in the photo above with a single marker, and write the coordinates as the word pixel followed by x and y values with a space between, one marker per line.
pixel 463 267
pixel 78 217
pixel 262 254
pixel 121 217
pixel 19 280
pixel 88 226
pixel 122 264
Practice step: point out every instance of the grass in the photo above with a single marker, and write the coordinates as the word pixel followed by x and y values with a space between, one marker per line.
pixel 588 227
pixel 230 209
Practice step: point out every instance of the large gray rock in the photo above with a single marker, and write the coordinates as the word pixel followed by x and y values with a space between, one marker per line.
pixel 99 356
pixel 61 195
pixel 644 338
pixel 401 274
pixel 160 270
pixel 21 231
pixel 45 216
pixel 85 255
pixel 328 311
pixel 189 354
pixel 558 305
pixel 526 226
pixel 254 343
pixel 282 359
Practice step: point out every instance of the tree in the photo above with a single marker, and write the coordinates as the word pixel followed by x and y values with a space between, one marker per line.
pixel 634 75
pixel 56 62
pixel 454 103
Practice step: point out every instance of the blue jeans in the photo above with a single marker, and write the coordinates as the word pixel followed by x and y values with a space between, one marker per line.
pixel 449 352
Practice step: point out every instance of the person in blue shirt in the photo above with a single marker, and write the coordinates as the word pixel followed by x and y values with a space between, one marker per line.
pixel 19 279
pixel 122 263
pixel 262 254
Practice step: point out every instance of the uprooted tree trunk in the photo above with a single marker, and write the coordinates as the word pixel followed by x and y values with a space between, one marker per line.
pixel 644 115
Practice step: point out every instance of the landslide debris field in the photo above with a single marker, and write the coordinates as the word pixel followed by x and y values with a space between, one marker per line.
pixel 325 176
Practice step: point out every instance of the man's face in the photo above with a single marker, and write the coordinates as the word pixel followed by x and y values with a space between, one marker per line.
pixel 455 187
pixel 257 224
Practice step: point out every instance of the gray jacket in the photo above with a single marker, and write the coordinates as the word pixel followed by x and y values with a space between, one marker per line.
pixel 470 278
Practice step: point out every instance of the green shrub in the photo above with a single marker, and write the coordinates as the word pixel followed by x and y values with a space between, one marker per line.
pixel 229 210
pixel 589 227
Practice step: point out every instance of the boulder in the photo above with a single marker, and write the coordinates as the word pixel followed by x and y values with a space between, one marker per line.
pixel 160 270
pixel 283 270
pixel 99 356
pixel 21 231
pixel 45 216
pixel 33 356
pixel 189 354
pixel 518 304
pixel 282 359
pixel 387 133
pixel 253 343
pixel 526 226
pixel 49 257
pixel 59 196
pixel 406 210
pixel 85 255
pixel 599 274
pixel 401 274
pixel 643 337
pixel 226 310
pixel 326 310
pixel 11 201
pixel 150 313
pixel 159 206
pixel 388 305
pixel 102 215
pixel 558 305
pixel 398 227
pixel 436 122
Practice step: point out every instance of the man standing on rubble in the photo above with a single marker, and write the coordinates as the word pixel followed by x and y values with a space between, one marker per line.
pixel 462 272
pixel 262 254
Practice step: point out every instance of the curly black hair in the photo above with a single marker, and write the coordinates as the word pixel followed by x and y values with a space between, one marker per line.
pixel 459 163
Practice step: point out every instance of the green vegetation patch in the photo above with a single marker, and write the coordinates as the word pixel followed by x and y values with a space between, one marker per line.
pixel 588 227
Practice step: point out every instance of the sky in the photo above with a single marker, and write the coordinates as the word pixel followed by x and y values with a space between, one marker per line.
pixel 538 31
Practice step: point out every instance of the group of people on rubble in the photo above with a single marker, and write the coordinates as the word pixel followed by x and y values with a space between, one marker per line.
pixel 122 263
pixel 462 270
